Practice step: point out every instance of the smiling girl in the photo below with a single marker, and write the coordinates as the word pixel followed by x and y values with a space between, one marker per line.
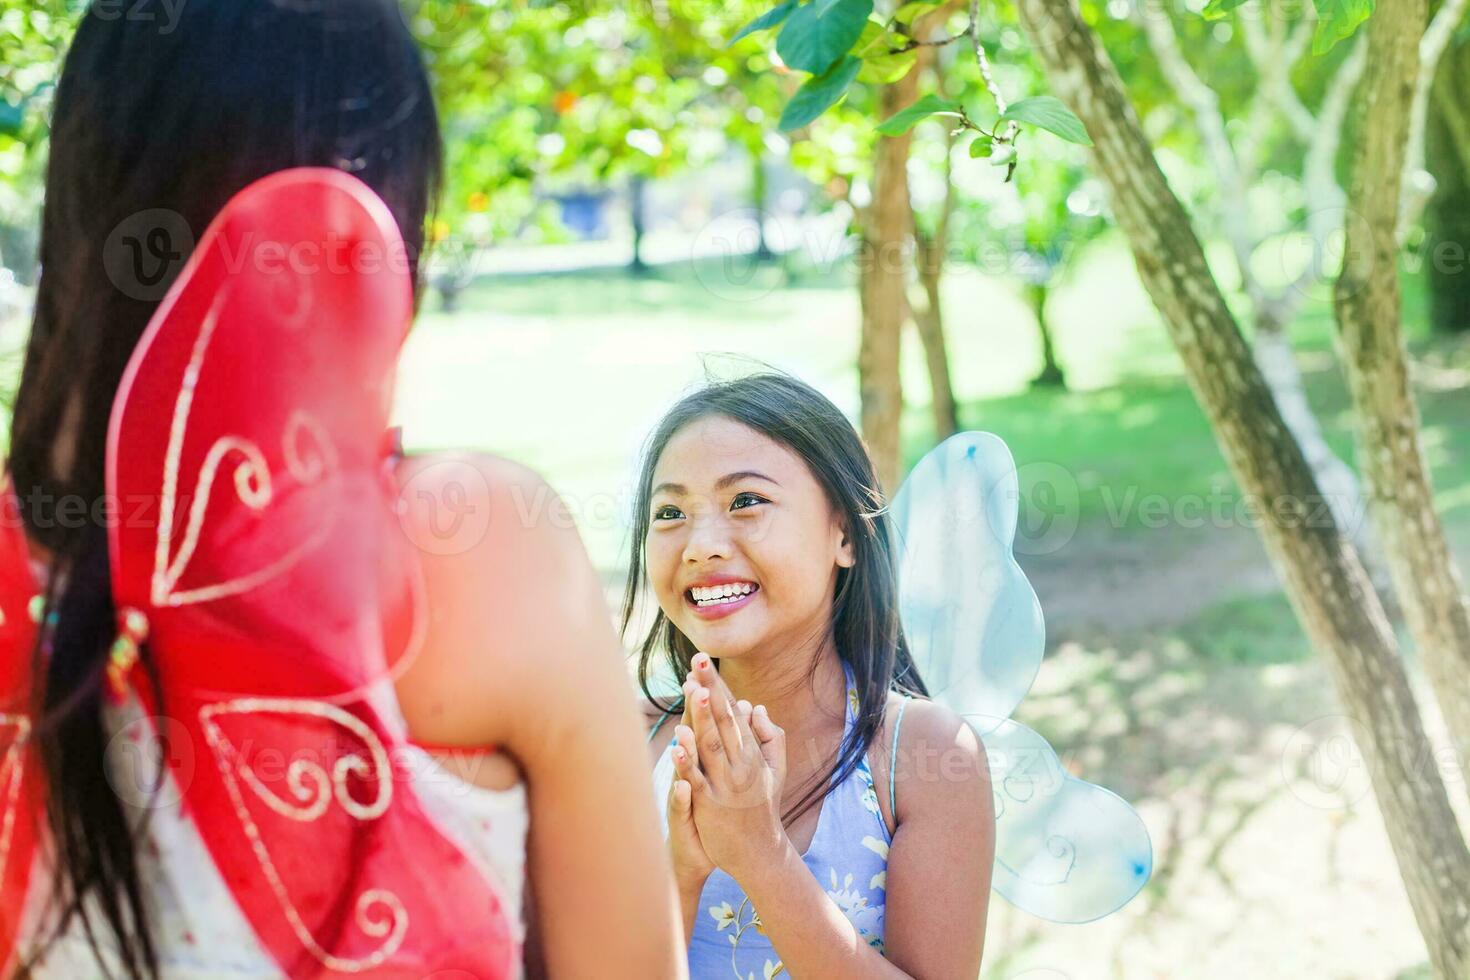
pixel 825 819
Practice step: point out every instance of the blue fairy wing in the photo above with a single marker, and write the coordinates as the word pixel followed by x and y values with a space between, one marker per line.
pixel 971 617
pixel 1066 850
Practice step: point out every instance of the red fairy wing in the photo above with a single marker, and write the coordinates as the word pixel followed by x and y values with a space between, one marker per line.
pixel 257 532
pixel 20 779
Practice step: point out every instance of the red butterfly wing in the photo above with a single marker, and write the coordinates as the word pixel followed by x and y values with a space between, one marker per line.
pixel 258 535
pixel 20 779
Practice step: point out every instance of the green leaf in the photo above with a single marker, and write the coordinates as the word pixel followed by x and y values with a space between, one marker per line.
pixel 1337 20
pixel 1216 9
pixel 813 41
pixel 907 13
pixel 880 66
pixel 981 146
pixel 1051 115
pixel 887 68
pixel 765 21
pixel 819 93
pixel 905 119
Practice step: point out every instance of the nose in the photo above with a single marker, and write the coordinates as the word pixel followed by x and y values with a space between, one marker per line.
pixel 709 538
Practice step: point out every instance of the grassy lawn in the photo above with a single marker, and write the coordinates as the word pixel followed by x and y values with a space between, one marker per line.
pixel 569 372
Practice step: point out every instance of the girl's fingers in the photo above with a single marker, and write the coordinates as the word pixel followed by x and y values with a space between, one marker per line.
pixel 703 671
pixel 743 711
pixel 744 715
pixel 771 737
pixel 681 796
pixel 722 710
pixel 707 737
pixel 686 767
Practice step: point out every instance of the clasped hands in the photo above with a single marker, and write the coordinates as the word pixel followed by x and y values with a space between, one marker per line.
pixel 724 807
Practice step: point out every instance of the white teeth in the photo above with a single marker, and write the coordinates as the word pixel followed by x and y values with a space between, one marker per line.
pixel 719 595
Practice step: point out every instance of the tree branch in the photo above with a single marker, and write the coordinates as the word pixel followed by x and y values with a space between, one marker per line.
pixel 1269 59
pixel 1417 190
pixel 1158 28
pixel 987 76
pixel 936 43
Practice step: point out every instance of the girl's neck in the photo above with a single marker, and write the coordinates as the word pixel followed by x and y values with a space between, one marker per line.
pixel 797 698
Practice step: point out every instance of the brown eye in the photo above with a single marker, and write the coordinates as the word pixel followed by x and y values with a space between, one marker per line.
pixel 668 512
pixel 747 499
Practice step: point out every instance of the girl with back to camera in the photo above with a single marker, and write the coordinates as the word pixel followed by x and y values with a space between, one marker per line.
pixel 520 803
pixel 825 819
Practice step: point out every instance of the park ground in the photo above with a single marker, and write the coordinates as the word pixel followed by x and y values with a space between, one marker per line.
pixel 1175 672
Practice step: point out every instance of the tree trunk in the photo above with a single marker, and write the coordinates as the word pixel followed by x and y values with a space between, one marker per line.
pixel 1051 372
pixel 758 191
pixel 1374 356
pixel 883 282
pixel 929 255
pixel 1447 220
pixel 930 323
pixel 635 215
pixel 1335 478
pixel 1323 577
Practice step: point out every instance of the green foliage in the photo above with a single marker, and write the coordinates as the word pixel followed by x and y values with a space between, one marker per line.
pixel 1216 9
pixel 765 21
pixel 816 35
pixel 1337 20
pixel 929 105
pixel 907 13
pixel 884 60
pixel 819 93
pixel 1049 114
pixel 825 37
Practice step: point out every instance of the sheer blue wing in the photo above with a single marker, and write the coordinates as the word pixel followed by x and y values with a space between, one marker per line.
pixel 1066 850
pixel 971 618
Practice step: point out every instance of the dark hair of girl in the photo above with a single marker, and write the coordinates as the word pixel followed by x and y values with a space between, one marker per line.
pixel 153 116
pixel 865 619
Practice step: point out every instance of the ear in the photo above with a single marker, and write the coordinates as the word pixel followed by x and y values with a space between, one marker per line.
pixel 846 557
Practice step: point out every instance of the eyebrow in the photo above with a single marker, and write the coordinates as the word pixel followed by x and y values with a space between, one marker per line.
pixel 720 484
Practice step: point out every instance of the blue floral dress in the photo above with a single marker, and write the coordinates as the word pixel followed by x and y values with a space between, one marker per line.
pixel 848 855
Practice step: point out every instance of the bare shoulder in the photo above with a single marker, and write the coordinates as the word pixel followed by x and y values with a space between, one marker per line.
pixel 513 602
pixel 941 763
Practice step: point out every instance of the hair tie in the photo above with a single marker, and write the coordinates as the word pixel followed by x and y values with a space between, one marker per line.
pixel 132 627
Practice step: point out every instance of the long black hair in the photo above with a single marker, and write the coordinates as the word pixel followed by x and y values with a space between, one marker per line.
pixel 865 619
pixel 156 124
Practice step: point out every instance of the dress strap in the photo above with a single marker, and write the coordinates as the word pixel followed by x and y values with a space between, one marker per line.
pixel 893 761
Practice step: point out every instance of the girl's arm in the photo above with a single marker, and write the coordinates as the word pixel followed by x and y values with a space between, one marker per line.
pixel 937 886
pixel 520 654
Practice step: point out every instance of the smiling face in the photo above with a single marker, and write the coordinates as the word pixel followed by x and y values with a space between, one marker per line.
pixel 743 545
